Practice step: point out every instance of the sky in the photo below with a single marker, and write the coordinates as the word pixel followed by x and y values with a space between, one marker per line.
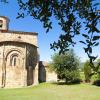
pixel 27 24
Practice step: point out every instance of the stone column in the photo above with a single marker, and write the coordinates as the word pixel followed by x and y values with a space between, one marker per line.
pixel 24 73
pixel 35 73
pixel 3 68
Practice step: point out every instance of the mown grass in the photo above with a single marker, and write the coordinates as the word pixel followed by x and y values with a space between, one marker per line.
pixel 48 91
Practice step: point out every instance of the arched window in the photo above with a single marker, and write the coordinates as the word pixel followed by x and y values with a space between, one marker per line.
pixel 14 60
pixel 1 23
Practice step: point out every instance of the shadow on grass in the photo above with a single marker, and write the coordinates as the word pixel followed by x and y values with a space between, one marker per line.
pixel 96 83
pixel 64 83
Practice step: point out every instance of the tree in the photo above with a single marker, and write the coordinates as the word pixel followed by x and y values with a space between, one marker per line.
pixel 66 66
pixel 97 81
pixel 72 16
pixel 98 60
pixel 87 71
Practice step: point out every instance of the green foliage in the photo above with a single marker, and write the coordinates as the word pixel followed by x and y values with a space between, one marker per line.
pixel 66 66
pixel 95 77
pixel 87 71
pixel 98 60
pixel 98 70
pixel 72 77
pixel 95 69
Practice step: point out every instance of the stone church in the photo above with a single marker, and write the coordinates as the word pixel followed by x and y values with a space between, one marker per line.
pixel 18 56
pixel 19 61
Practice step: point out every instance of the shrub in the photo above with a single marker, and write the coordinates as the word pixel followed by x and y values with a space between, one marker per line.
pixel 66 66
pixel 87 71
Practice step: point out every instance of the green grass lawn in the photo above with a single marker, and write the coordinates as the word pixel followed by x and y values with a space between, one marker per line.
pixel 48 91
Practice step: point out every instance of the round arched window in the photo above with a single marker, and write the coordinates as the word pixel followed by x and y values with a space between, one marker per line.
pixel 1 23
pixel 14 60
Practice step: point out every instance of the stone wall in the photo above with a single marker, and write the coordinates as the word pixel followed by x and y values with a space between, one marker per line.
pixel 51 76
pixel 31 64
pixel 15 36
pixel 45 75
pixel 24 72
